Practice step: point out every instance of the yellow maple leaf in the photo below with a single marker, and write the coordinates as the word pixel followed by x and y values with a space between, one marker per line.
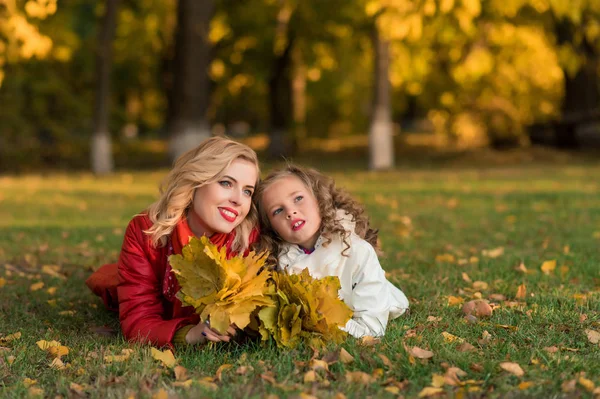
pixel 166 357
pixel 11 337
pixel 222 290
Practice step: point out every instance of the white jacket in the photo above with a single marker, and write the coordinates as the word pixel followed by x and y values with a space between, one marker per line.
pixel 364 287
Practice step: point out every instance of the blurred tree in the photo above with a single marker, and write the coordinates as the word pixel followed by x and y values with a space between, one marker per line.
pixel 101 145
pixel 188 124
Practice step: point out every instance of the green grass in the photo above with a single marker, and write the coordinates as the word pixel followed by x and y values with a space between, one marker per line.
pixel 535 213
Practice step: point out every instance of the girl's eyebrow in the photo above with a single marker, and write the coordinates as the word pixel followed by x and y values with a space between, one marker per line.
pixel 247 185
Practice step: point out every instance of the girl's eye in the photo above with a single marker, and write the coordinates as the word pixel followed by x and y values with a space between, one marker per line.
pixel 248 193
pixel 225 183
pixel 298 198
pixel 277 211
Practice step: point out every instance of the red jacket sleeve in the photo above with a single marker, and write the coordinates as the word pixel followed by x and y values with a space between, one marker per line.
pixel 141 301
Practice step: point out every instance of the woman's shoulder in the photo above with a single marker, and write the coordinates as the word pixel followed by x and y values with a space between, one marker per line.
pixel 141 221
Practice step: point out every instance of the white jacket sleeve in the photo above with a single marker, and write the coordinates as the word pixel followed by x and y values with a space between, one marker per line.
pixel 371 298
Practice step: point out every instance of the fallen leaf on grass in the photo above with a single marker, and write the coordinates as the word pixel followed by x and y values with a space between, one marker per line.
pixel 419 353
pixel 161 394
pixel 53 348
pixel 568 386
pixel 184 384
pixel 445 258
pixel 512 368
pixel 35 391
pixel 369 341
pixel 493 253
pixel 125 353
pixel 548 267
pixel 78 389
pixel 430 391
pixel 180 373
pixel 57 364
pixel 587 384
pixel 29 382
pixel 455 300
pixel 2 282
pixel 593 336
pixel 359 377
pixel 222 368
pixel 345 357
pixel 67 313
pixel 310 376
pixel 452 376
pixel 386 361
pixel 36 286
pixel 166 357
pixel 11 337
pixel 449 338
pixel 521 292
pixel 480 285
pixel 53 270
pixel 551 349
pixel 51 290
pixel 478 307
pixel 465 347
pixel 526 385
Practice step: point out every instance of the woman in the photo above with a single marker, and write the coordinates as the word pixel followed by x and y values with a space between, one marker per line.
pixel 208 192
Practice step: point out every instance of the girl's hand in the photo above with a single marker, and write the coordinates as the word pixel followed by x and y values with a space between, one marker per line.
pixel 201 333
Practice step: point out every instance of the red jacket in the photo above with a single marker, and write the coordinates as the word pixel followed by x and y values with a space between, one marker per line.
pixel 148 308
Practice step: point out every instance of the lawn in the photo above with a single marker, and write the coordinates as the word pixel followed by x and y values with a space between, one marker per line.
pixel 449 236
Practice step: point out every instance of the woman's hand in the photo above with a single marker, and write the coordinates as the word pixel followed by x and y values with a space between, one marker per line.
pixel 202 332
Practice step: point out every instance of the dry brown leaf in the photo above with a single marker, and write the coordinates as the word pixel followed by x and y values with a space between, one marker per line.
pixel 243 370
pixel 548 266
pixel 317 364
pixel 369 341
pixel 493 253
pixel 466 277
pixel 465 347
pixel 161 394
pixel 57 364
pixel 166 357
pixel 386 361
pixel 452 376
pixel 512 368
pixel 593 336
pixel 430 391
pixel 478 307
pixel 420 353
pixel 184 384
pixel 480 285
pixel 345 357
pixel 78 389
pixel 551 349
pixel 568 386
pixel 521 292
pixel 35 391
pixel 180 373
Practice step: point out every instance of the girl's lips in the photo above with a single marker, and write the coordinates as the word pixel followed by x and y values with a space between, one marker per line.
pixel 228 214
pixel 299 226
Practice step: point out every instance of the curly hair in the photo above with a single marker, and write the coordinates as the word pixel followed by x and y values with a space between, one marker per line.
pixel 329 197
pixel 202 165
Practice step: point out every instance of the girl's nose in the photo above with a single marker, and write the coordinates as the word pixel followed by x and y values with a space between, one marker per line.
pixel 290 214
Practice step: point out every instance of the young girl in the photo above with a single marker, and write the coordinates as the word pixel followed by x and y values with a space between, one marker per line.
pixel 306 222
pixel 208 192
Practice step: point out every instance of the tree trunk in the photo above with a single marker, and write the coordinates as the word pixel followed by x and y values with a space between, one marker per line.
pixel 188 125
pixel 381 143
pixel 280 89
pixel 299 95
pixel 101 148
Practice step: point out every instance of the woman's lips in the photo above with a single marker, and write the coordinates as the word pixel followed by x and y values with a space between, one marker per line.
pixel 228 214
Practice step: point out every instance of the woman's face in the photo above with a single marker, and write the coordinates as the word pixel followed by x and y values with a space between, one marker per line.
pixel 221 206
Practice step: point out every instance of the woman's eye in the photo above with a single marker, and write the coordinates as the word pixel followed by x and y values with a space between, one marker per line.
pixel 225 183
pixel 277 211
pixel 298 198
pixel 248 193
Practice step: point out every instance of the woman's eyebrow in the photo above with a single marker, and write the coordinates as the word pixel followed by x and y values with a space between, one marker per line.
pixel 232 178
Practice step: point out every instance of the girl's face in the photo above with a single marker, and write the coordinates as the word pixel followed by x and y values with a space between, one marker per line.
pixel 293 211
pixel 219 207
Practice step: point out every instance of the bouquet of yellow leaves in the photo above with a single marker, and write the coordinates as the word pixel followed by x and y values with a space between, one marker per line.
pixel 307 309
pixel 223 290
pixel 241 290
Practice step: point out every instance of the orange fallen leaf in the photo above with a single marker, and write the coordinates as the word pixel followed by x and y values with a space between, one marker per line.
pixel 369 341
pixel 449 338
pixel 512 368
pixel 480 285
pixel 57 364
pixel 386 361
pixel 587 384
pixel 359 377
pixel 184 384
pixel 465 347
pixel 310 376
pixel 521 292
pixel 2 282
pixel 29 382
pixel 125 354
pixel 454 300
pixel 161 394
pixel 493 253
pixel 222 368
pixel 35 391
pixel 180 373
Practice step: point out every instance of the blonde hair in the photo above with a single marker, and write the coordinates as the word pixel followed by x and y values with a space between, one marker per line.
pixel 330 199
pixel 202 165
